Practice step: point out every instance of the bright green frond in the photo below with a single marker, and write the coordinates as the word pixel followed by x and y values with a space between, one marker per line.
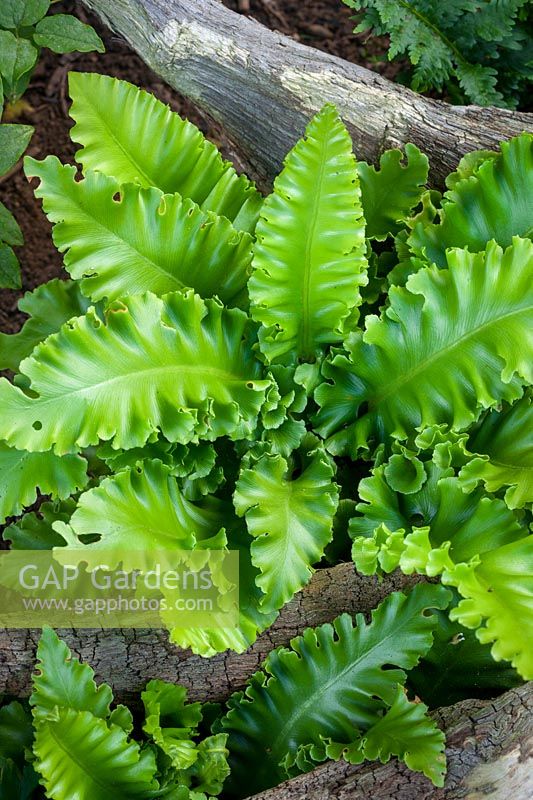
pixel 62 681
pixel 22 474
pixel 451 343
pixel 129 134
pixel 498 592
pixel 140 508
pixel 49 306
pixel 504 444
pixel 290 519
pixel 496 202
pixel 309 257
pixel 120 240
pixel 80 757
pixel 176 364
pixel 390 194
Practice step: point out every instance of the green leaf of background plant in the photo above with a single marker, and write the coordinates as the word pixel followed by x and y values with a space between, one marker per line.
pixel 63 33
pixel 49 306
pixel 22 13
pixel 129 134
pixel 78 755
pixel 504 444
pixel 331 683
pixel 291 520
pixel 494 203
pixel 10 232
pixel 122 240
pixel 9 268
pixel 178 364
pixel 14 139
pixel 62 681
pixel 23 473
pixel 390 193
pixel 137 509
pixel 17 59
pixel 309 256
pixel 452 342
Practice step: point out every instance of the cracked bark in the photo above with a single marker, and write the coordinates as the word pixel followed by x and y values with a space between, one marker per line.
pixel 128 659
pixel 263 87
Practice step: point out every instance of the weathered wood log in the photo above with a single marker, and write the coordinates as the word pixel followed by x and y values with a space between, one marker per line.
pixel 128 659
pixel 489 748
pixel 263 87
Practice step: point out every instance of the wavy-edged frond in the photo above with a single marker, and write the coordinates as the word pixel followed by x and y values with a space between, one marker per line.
pixel 177 364
pixel 62 681
pixel 503 444
pixel 129 134
pixel 459 667
pixel 125 239
pixel 253 620
pixel 23 474
pixel 141 508
pixel 498 592
pixel 49 306
pixel 405 731
pixel 475 542
pixel 79 755
pixel 290 519
pixel 389 194
pixel 452 342
pixel 326 685
pixel 309 258
pixel 171 722
pixel 34 530
pixel 493 203
pixel 392 528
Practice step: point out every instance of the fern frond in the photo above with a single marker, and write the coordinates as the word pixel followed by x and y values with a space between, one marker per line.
pixel 309 256
pixel 49 307
pixel 130 135
pixel 492 203
pixel 22 474
pixel 120 240
pixel 330 684
pixel 176 364
pixel 291 520
pixel 452 342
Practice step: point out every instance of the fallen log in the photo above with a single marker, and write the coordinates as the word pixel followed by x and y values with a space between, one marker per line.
pixel 128 659
pixel 263 87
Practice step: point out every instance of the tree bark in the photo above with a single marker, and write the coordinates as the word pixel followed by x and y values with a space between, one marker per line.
pixel 128 659
pixel 488 747
pixel 263 87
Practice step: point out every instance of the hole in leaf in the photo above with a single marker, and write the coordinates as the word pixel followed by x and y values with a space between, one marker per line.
pixel 117 197
pixel 37 425
pixel 89 538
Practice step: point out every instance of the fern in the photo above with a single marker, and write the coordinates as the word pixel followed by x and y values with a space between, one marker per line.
pixel 482 47
pixel 359 366
pixel 330 684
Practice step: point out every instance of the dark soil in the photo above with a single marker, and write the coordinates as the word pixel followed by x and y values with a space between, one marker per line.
pixel 324 24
